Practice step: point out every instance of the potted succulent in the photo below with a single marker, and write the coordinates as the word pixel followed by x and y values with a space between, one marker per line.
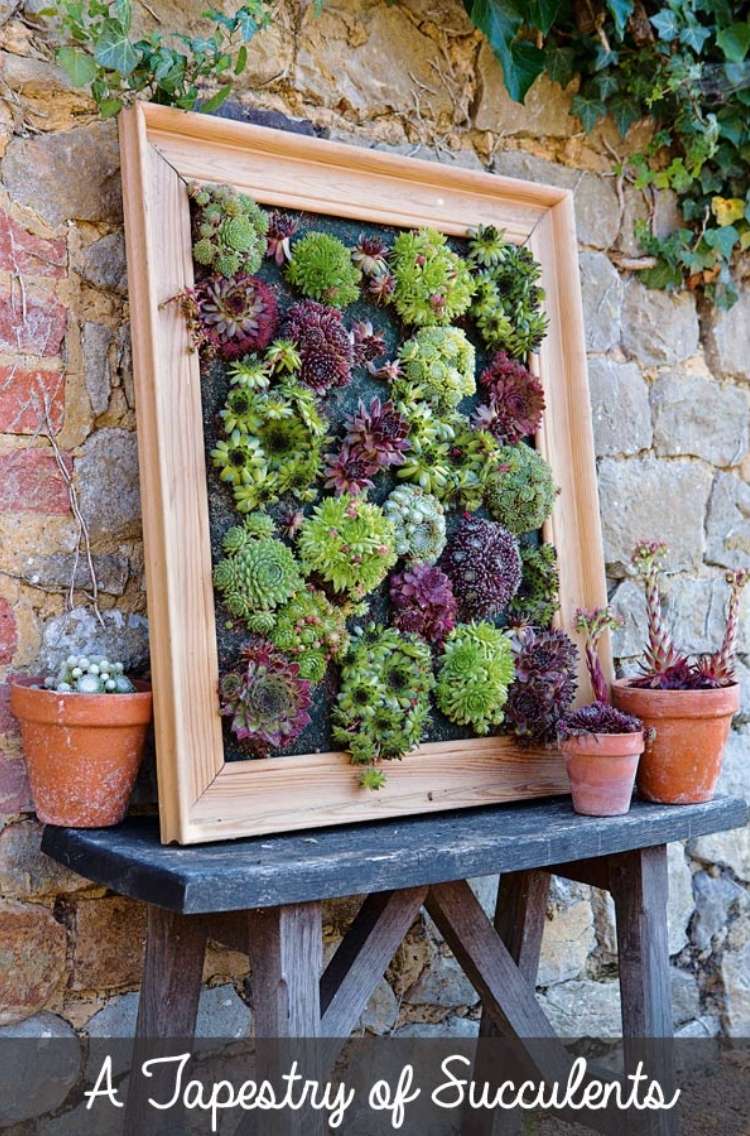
pixel 83 733
pixel 602 745
pixel 689 703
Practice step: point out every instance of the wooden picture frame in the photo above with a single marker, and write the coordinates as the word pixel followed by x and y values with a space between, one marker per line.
pixel 201 796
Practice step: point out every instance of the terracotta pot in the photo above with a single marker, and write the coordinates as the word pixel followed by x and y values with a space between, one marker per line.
pixel 601 770
pixel 82 752
pixel 682 761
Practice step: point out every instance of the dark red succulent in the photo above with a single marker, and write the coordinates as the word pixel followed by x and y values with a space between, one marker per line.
pixel 377 434
pixel 281 229
pixel 423 601
pixel 598 718
pixel 545 683
pixel 381 286
pixel 231 318
pixel 515 399
pixel 265 698
pixel 368 343
pixel 325 348
pixel 348 472
pixel 483 562
pixel 370 254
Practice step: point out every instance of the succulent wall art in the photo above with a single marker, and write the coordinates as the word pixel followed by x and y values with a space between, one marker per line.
pixel 375 497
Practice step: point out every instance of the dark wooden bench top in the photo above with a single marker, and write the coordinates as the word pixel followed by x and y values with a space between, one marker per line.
pixel 267 871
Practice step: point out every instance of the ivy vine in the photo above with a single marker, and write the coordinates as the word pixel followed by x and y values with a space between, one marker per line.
pixel 102 53
pixel 683 65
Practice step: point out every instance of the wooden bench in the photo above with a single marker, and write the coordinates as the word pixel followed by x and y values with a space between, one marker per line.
pixel 264 895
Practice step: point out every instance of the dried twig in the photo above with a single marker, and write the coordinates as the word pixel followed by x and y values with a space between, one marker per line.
pixel 84 539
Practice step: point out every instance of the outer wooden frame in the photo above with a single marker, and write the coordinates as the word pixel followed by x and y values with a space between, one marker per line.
pixel 202 797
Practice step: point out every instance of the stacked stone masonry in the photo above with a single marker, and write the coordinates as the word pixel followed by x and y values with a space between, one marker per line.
pixel 669 385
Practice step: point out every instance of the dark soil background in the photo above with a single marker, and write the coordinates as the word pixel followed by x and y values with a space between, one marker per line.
pixel 336 405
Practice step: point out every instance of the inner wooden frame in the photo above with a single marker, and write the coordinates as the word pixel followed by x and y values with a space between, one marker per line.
pixel 202 797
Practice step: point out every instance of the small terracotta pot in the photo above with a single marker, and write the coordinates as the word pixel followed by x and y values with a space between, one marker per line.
pixel 82 752
pixel 601 771
pixel 682 761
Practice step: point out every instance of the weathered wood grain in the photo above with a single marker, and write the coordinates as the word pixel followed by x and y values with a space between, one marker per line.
pixel 640 888
pixel 363 955
pixel 378 856
pixel 173 966
pixel 520 915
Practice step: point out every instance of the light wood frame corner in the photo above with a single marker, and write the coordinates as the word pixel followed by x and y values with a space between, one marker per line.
pixel 202 797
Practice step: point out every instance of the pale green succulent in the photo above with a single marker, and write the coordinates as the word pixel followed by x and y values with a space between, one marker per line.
pixel 433 284
pixel 521 492
pixel 349 543
pixel 438 366
pixel 383 705
pixel 418 520
pixel 321 267
pixel 476 670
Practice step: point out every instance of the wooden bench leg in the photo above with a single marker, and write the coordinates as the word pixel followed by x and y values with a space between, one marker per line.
pixel 520 913
pixel 639 885
pixel 172 973
pixel 286 958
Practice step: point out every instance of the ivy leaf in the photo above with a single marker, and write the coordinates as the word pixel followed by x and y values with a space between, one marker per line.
pixel 620 10
pixel 500 21
pixel 588 110
pixel 605 85
pixel 78 65
pixel 662 275
pixel 727 210
pixel 560 65
pixel 694 36
pixel 241 61
pixel 625 112
pixel 108 108
pixel 528 64
pixel 542 14
pixel 114 51
pixel 124 14
pixel 665 24
pixel 722 240
pixel 212 104
pixel 734 41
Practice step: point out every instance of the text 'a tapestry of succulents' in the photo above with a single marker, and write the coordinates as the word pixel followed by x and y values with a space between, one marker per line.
pixel 375 498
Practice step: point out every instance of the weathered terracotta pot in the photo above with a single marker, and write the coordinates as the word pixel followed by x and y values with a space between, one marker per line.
pixel 601 770
pixel 682 760
pixel 82 752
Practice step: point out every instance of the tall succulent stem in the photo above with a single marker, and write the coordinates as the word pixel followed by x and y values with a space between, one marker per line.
pixel 660 654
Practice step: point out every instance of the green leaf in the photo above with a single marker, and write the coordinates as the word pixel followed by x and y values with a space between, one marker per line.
pixel 734 41
pixel 542 14
pixel 124 14
pixel 212 104
pixel 108 108
pixel 663 276
pixel 620 10
pixel 560 64
pixel 500 21
pixel 78 65
pixel 528 64
pixel 114 51
pixel 241 61
pixel 694 36
pixel 722 240
pixel 589 111
pixel 625 112
pixel 665 24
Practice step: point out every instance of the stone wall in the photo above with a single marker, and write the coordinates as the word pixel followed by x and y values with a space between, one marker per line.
pixel 670 397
